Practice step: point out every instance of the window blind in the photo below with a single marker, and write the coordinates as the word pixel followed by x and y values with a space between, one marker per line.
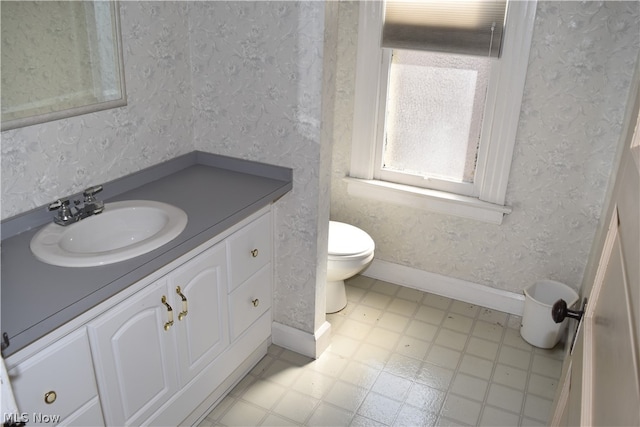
pixel 471 27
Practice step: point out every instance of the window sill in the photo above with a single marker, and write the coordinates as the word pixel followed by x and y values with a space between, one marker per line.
pixel 431 200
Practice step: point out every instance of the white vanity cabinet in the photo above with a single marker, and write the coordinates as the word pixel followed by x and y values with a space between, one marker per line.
pixel 57 385
pixel 164 350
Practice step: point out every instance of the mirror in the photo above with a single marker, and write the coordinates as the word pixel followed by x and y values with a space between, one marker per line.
pixel 59 59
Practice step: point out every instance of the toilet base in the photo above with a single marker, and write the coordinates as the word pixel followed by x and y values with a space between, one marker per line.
pixel 336 296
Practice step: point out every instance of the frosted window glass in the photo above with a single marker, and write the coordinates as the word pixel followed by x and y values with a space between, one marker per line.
pixel 434 114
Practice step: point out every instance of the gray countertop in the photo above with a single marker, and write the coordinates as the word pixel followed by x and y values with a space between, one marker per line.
pixel 216 192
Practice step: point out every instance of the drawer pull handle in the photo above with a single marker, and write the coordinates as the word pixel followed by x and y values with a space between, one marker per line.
pixel 50 397
pixel 254 253
pixel 255 302
pixel 185 310
pixel 169 322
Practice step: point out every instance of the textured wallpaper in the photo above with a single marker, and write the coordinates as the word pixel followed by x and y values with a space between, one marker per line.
pixel 50 160
pixel 580 68
pixel 257 91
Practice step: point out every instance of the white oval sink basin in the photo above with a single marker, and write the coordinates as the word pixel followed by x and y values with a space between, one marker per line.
pixel 123 231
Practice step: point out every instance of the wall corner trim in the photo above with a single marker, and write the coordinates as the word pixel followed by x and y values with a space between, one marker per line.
pixel 461 290
pixel 305 343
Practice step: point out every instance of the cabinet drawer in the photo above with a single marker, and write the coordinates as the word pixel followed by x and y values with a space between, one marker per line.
pixel 249 250
pixel 64 368
pixel 250 301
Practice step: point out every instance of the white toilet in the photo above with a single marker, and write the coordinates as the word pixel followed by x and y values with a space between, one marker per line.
pixel 350 252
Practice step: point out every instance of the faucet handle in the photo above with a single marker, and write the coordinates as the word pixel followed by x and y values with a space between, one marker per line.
pixel 92 191
pixel 92 206
pixel 60 203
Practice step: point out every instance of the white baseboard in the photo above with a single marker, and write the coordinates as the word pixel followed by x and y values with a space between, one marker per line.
pixel 473 293
pixel 311 345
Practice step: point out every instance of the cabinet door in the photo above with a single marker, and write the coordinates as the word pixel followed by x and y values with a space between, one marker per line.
pixel 201 333
pixel 87 416
pixel 134 356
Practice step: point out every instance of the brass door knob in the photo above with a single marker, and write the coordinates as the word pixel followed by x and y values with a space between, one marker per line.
pixel 255 302
pixel 254 253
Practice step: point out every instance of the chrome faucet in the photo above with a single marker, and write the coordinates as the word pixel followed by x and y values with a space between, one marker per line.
pixel 68 214
pixel 64 215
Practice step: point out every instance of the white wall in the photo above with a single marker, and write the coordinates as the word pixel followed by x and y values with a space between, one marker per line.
pixel 257 91
pixel 580 68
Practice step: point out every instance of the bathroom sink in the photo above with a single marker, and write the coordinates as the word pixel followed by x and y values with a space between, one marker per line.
pixel 124 230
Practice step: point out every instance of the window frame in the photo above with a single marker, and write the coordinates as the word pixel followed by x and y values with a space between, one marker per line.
pixel 502 112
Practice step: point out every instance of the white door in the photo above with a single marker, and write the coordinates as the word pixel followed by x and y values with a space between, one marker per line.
pixel 601 385
pixel 201 310
pixel 610 387
pixel 610 369
pixel 133 346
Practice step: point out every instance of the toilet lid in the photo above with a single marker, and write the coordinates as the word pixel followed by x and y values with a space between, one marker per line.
pixel 345 239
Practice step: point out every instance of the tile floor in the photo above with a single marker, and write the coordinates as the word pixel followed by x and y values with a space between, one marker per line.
pixel 401 357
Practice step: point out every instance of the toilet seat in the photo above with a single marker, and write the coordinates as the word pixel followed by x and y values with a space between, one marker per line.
pixel 347 241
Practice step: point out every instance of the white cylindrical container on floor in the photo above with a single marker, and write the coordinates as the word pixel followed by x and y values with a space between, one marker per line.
pixel 538 327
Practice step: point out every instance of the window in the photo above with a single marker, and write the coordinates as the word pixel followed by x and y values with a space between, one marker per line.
pixel 433 120
pixel 436 130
